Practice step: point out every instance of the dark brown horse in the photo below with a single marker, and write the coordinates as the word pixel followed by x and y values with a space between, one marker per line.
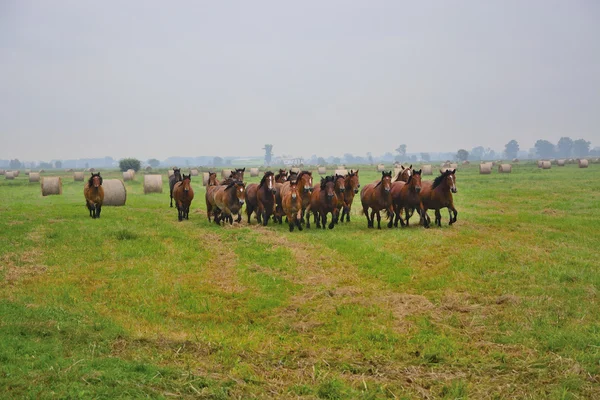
pixel 211 186
pixel 173 179
pixel 183 195
pixel 404 174
pixel 405 196
pixel 322 201
pixel 352 185
pixel 281 176
pixel 340 189
pixel 260 198
pixel 437 195
pixel 377 197
pixel 291 204
pixel 304 182
pixel 228 200
pixel 94 195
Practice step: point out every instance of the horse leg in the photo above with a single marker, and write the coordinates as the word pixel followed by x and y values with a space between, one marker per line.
pixel 323 219
pixel 378 219
pixel 451 210
pixel 348 209
pixel 99 208
pixel 390 214
pixel 171 199
pixel 333 220
pixel 438 218
pixel 299 224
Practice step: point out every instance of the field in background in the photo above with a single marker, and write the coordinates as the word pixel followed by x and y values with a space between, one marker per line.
pixel 503 304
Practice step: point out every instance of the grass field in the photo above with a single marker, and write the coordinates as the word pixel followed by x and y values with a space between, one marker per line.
pixel 503 304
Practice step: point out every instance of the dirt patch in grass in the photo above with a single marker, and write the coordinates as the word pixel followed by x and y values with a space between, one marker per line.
pixel 220 269
pixel 17 267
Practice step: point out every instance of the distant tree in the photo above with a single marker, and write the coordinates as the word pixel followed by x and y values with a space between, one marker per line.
pixel 544 149
pixel 321 161
pixel 349 158
pixel 564 146
pixel 401 150
pixel 268 153
pixel 462 155
pixel 370 157
pixel 217 161
pixel 58 164
pixel 477 153
pixel 581 148
pixel 87 165
pixel 511 149
pixel 45 165
pixel 153 162
pixel 336 160
pixel 425 156
pixel 489 154
pixel 413 158
pixel 14 164
pixel 129 163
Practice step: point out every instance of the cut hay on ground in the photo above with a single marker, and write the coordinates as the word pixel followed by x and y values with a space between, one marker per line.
pixel 546 164
pixel 153 184
pixel 115 193
pixel 51 185
pixel 561 163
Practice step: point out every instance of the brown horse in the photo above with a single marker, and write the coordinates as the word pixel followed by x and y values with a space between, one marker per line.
pixel 211 187
pixel 377 197
pixel 228 200
pixel 404 174
pixel 405 195
pixel 322 201
pixel 304 182
pixel 340 189
pixel 291 204
pixel 437 195
pixel 260 198
pixel 352 185
pixel 281 176
pixel 183 195
pixel 173 179
pixel 94 195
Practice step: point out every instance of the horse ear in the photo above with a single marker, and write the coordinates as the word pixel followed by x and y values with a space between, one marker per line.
pixel 454 171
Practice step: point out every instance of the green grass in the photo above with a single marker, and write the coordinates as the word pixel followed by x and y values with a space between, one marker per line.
pixel 503 304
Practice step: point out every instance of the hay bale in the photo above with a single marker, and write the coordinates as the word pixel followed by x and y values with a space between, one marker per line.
pixel 546 164
pixel 571 161
pixel 153 184
pixel 505 168
pixel 444 169
pixel 170 173
pixel 341 171
pixel 42 171
pixel 226 172
pixel 380 167
pixel 2 172
pixel 253 171
pixel 16 173
pixel 515 160
pixel 397 171
pixel 466 162
pixel 9 175
pixel 27 171
pixel 115 193
pixel 454 166
pixel 132 172
pixel 295 170
pixel 148 168
pixel 583 163
pixel 194 172
pixel 205 176
pixel 34 177
pixel 540 163
pixel 51 185
pixel 561 163
pixel 426 169
pixel 322 170
pixel 127 176
pixel 78 176
pixel 485 168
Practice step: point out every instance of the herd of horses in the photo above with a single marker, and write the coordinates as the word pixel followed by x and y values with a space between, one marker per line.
pixel 294 196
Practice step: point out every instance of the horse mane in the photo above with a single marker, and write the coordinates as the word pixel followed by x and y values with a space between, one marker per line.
pixel 264 178
pixel 325 180
pixel 233 183
pixel 301 173
pixel 437 181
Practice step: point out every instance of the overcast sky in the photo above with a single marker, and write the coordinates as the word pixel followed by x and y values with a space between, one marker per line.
pixel 153 79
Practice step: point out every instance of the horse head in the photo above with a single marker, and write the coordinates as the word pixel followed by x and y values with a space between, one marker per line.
pixel 447 178
pixel 240 191
pixel 186 182
pixel 404 174
pixel 306 178
pixel 281 176
pixel 340 183
pixel 328 187
pixel 352 182
pixel 95 180
pixel 294 190
pixel 452 178
pixel 212 179
pixel 386 181
pixel 268 180
pixel 415 180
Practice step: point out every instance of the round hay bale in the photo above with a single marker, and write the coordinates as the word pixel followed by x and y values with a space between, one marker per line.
pixel 27 172
pixel 341 171
pixel 322 170
pixel 115 193
pixel 485 168
pixel 127 176
pixel 426 169
pixel 78 176
pixel 515 160
pixel 69 170
pixel 466 162
pixel 2 172
pixel 16 173
pixel 546 164
pixel 380 167
pixel 9 175
pixel 51 185
pixel 505 168
pixel 561 163
pixel 194 172
pixel 170 173
pixel 153 184
pixel 225 173
pixel 205 176
pixel 343 166
pixel 444 169
pixel 540 163
pixel 253 171
pixel 132 172
pixel 34 177
pixel 583 163
pixel 454 166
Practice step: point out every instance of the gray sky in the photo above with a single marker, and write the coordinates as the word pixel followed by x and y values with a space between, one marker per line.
pixel 153 79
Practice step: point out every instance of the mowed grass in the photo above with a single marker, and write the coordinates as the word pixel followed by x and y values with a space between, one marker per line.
pixel 503 304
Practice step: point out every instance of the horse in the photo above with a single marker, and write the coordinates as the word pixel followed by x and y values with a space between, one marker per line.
pixel 183 195
pixel 228 200
pixel 437 195
pixel 94 195
pixel 291 203
pixel 340 189
pixel 304 182
pixel 173 179
pixel 352 185
pixel 324 200
pixel 404 174
pixel 261 198
pixel 281 176
pixel 377 197
pixel 211 186
pixel 405 195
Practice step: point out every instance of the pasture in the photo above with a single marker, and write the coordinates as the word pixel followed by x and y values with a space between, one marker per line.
pixel 503 304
